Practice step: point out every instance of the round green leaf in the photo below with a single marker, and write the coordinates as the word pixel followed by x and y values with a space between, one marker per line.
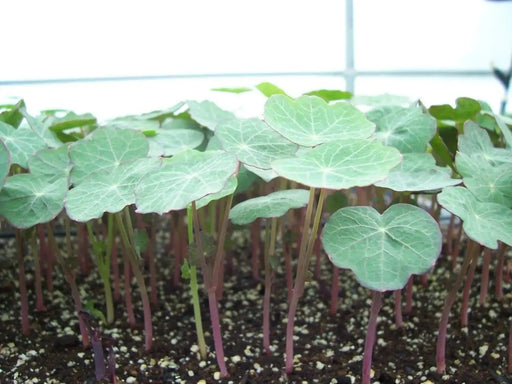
pixel 275 204
pixel 264 174
pixel 484 222
pixel 51 163
pixel 186 177
pixel 384 250
pixel 407 129
pixel 418 172
pixel 104 150
pixel 309 120
pixel 27 200
pixel 168 142
pixel 253 142
pixel 110 191
pixel 228 189
pixel 340 164
pixel 21 143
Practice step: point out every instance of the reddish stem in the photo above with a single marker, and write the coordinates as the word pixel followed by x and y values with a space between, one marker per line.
pixel 334 289
pixel 456 247
pixel 466 292
pixel 398 309
pixel 485 275
pixel 408 295
pixel 254 230
pixel 37 274
pixel 502 250
pixel 449 236
pixel 25 324
pixel 472 248
pixel 371 335
pixel 510 349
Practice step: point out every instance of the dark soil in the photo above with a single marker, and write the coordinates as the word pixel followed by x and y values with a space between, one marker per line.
pixel 328 349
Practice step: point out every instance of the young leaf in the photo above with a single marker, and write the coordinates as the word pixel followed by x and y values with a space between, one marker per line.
pixel 330 95
pixel 208 114
pixel 233 90
pixel 269 89
pixel 72 120
pixel 465 109
pixel 310 121
pixel 253 142
pixel 275 204
pixel 418 172
pixel 27 200
pixel 340 164
pixel 484 222
pixel 382 250
pixel 407 129
pixel 186 177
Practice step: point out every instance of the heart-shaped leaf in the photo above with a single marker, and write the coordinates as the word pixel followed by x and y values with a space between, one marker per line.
pixel 22 143
pixel 275 204
pixel 106 191
pixel 418 172
pixel 27 200
pixel 340 164
pixel 186 177
pixel 208 114
pixel 253 142
pixel 408 129
pixel 465 109
pixel 310 121
pixel 382 250
pixel 484 222
pixel 104 150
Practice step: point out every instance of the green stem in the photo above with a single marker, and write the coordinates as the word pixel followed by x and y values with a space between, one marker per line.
pixel 194 290
pixel 302 268
pixel 126 232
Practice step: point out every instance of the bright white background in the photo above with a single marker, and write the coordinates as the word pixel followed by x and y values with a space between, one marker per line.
pixel 44 40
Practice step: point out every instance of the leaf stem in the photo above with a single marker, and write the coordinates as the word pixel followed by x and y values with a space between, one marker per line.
pixel 370 336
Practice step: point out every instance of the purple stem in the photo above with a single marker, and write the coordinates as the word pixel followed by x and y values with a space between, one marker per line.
pixel 510 349
pixel 335 289
pixel 449 236
pixel 255 229
pixel 398 308
pixel 25 325
pixel 408 295
pixel 472 248
pixel 217 335
pixel 371 334
pixel 485 275
pixel 37 274
pixel 502 250
pixel 466 292
pixel 456 247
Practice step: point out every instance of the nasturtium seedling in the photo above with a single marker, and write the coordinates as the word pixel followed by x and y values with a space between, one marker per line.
pixel 418 172
pixel 310 121
pixel 483 221
pixel 186 177
pixel 384 250
pixel 330 94
pixel 253 142
pixel 27 199
pixel 22 143
pixel 275 204
pixel 407 129
pixel 340 164
pixel 465 109
pixel 228 189
pixel 104 150
pixel 207 113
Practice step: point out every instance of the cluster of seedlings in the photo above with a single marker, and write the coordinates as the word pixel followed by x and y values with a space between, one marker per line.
pixel 314 175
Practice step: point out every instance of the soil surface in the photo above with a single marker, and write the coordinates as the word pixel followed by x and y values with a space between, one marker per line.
pixel 328 349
